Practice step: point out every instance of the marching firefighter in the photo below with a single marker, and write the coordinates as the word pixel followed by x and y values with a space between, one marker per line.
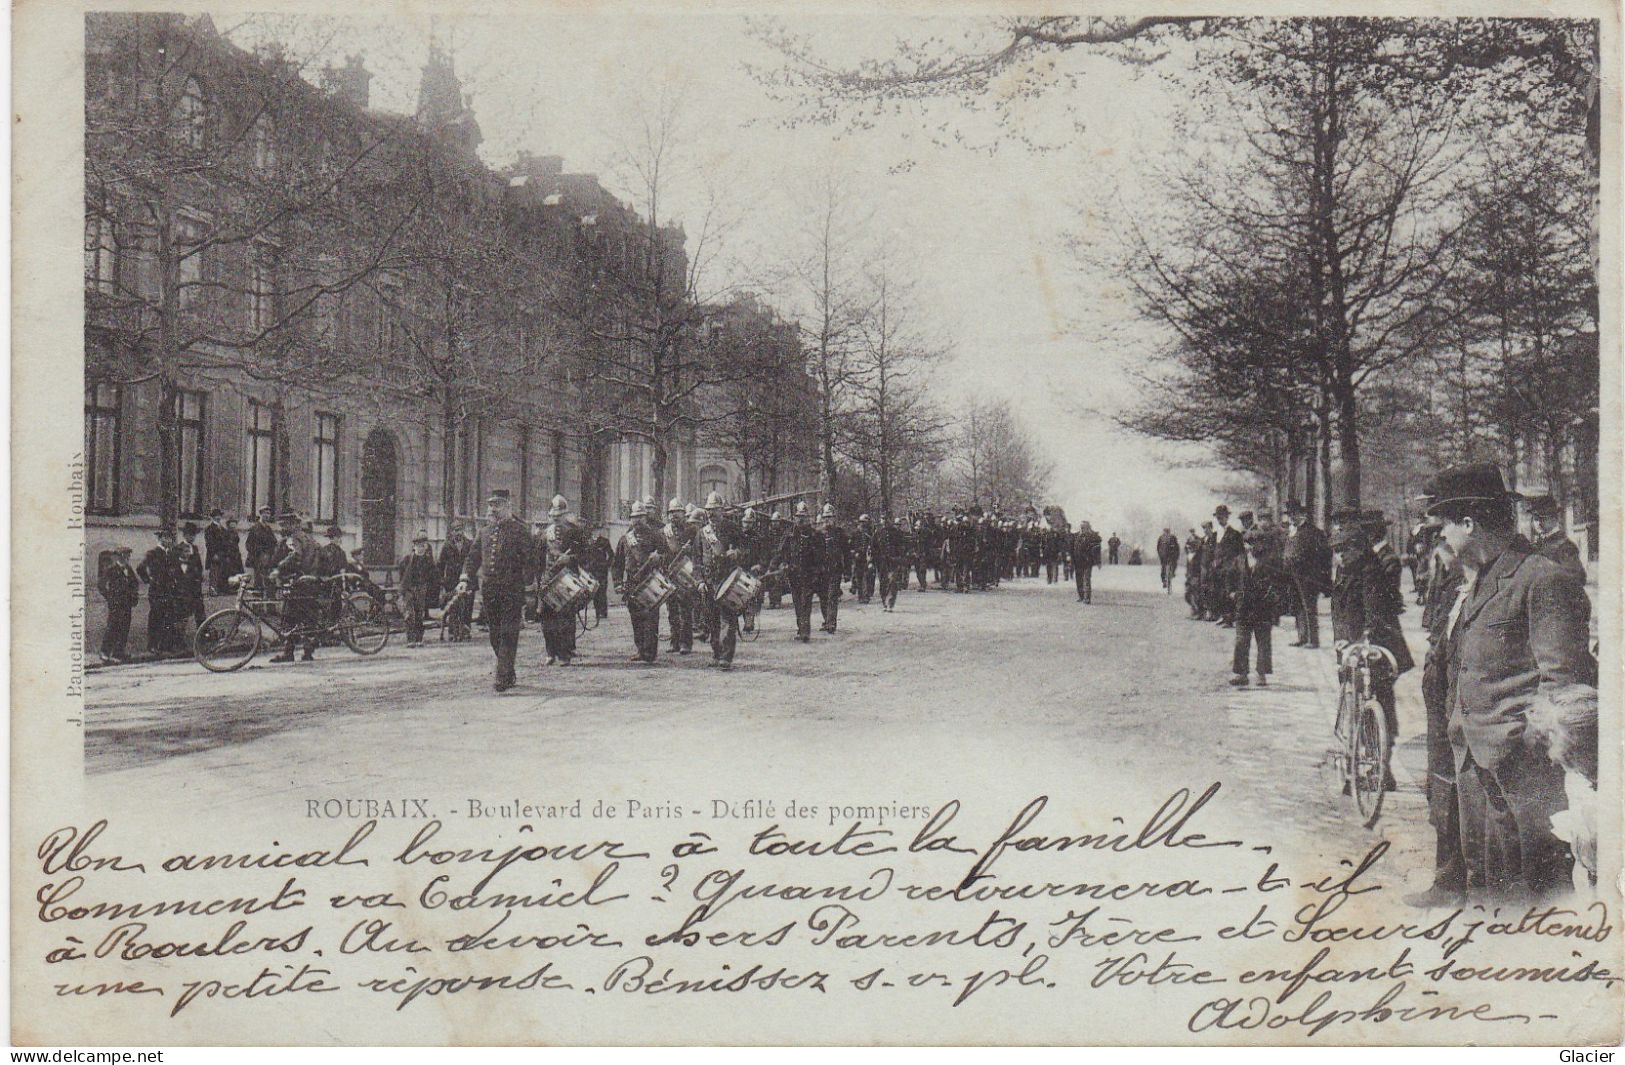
pixel 563 548
pixel 642 546
pixel 801 553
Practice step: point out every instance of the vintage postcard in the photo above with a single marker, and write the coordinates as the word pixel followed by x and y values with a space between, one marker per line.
pixel 888 523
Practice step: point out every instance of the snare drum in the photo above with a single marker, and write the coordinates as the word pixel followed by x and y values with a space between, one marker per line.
pixel 682 575
pixel 653 590
pixel 738 591
pixel 566 591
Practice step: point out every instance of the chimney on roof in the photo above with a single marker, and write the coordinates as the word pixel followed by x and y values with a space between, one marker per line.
pixel 349 82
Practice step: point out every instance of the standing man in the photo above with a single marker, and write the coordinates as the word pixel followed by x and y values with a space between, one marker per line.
pixel 262 543
pixel 1111 546
pixel 453 553
pixel 679 610
pixel 889 550
pixel 563 547
pixel 1550 540
pixel 1227 552
pixel 1168 557
pixel 332 558
pixel 163 577
pixel 1520 638
pixel 597 562
pixel 190 561
pixel 1085 557
pixel 233 563
pixel 121 589
pixel 215 550
pixel 505 553
pixel 295 562
pixel 837 557
pixel 1364 608
pixel 420 585
pixel 1307 558
pixel 642 543
pixel 1193 572
pixel 801 554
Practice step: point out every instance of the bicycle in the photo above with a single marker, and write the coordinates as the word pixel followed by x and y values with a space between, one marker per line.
pixel 229 638
pixel 1363 745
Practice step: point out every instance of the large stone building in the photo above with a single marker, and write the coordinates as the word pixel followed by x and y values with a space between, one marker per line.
pixel 296 301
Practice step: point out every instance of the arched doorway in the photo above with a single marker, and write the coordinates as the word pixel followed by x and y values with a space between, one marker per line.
pixel 379 483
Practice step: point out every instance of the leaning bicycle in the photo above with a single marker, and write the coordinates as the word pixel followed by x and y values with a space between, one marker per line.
pixel 229 639
pixel 1363 745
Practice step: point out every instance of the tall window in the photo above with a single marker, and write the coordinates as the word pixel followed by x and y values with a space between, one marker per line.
pixel 324 468
pixel 189 452
pixel 470 447
pixel 259 460
pixel 191 115
pixel 189 235
pixel 389 320
pixel 101 255
pixel 102 448
pixel 262 288
pixel 262 137
pixel 558 461
pixel 524 470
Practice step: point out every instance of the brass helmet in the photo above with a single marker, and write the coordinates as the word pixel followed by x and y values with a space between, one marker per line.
pixel 675 506
pixel 713 501
pixel 559 507
pixel 639 509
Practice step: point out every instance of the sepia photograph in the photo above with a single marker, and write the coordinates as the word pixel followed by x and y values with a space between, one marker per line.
pixel 634 524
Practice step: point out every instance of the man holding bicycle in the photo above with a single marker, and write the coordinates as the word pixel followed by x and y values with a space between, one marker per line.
pixel 1364 609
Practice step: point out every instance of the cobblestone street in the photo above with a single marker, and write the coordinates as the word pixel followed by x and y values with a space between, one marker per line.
pixel 1022 682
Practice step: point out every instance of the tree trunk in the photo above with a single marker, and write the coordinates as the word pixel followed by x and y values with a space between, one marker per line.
pixel 448 451
pixel 1311 456
pixel 1348 447
pixel 657 469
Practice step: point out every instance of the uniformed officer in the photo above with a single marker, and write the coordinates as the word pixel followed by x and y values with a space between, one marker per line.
pixel 837 560
pixel 642 545
pixel 1085 557
pixel 502 560
pixel 563 547
pixel 801 555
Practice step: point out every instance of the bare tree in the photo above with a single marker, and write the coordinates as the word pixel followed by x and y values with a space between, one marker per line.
pixel 229 205
pixel 994 460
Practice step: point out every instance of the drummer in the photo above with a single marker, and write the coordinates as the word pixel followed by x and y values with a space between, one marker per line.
pixel 719 555
pixel 640 543
pixel 563 547
pixel 678 537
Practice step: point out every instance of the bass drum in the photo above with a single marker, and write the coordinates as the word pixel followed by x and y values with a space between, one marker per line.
pixel 652 591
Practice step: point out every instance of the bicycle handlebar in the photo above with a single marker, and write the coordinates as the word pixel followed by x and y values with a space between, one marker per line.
pixel 1370 652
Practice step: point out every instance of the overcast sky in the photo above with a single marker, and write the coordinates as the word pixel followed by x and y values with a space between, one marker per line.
pixel 983 232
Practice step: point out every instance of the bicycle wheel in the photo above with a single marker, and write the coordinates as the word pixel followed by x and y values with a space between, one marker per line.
pixel 227 640
pixel 364 625
pixel 1370 761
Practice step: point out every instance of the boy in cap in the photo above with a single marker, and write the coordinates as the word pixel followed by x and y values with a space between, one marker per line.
pixel 1549 539
pixel 420 584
